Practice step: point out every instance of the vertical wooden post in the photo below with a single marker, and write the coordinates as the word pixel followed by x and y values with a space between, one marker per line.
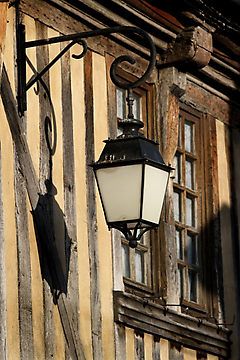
pixel 3 27
pixel 171 89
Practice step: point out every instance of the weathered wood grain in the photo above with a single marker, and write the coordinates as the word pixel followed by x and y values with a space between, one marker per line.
pixel 3 306
pixel 24 269
pixel 172 87
pixel 120 342
pixel 156 350
pixel 45 111
pixel 96 317
pixel 3 323
pixel 79 133
pixel 139 347
pixel 69 193
pixel 175 352
pixel 24 263
pixel 104 235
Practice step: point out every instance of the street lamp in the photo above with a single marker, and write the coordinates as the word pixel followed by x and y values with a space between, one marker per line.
pixel 130 173
pixel 132 179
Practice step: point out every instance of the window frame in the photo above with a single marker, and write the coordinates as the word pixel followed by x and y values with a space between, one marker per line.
pixel 187 305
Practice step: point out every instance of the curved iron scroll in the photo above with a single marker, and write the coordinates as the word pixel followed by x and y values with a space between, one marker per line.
pixel 136 35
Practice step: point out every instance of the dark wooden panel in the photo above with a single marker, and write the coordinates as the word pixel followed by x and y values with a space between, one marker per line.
pixel 71 256
pixel 24 268
pixel 96 317
pixel 175 352
pixel 139 347
pixel 156 350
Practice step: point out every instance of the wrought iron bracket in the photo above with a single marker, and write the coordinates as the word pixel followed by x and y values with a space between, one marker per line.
pixel 137 34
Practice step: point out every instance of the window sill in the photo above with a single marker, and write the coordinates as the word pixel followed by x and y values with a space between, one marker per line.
pixel 135 287
pixel 146 316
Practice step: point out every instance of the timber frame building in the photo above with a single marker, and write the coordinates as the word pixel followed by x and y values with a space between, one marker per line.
pixel 69 288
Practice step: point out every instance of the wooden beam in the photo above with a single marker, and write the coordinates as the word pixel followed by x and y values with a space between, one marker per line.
pixel 39 209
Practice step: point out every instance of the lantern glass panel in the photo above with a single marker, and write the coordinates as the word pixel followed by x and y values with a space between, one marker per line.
pixel 155 182
pixel 120 189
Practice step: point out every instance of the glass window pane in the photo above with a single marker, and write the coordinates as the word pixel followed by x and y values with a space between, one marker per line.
pixel 121 104
pixel 192 285
pixel 179 244
pixel 191 244
pixel 139 266
pixel 189 176
pixel 180 131
pixel 178 168
pixel 177 206
pixel 137 107
pixel 188 132
pixel 180 282
pixel 190 212
pixel 125 261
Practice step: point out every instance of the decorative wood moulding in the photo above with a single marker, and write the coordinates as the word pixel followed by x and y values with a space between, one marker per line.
pixel 192 47
pixel 146 316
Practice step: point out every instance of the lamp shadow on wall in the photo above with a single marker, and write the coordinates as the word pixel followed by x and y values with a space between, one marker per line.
pixel 54 248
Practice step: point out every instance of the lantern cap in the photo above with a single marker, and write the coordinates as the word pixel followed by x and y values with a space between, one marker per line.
pixel 130 150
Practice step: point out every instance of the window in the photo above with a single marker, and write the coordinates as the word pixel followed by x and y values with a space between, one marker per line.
pixel 187 208
pixel 136 263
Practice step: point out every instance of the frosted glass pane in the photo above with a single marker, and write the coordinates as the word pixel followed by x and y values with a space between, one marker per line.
pixel 189 166
pixel 177 206
pixel 188 132
pixel 125 261
pixel 190 212
pixel 179 244
pixel 121 105
pixel 120 189
pixel 191 245
pixel 139 266
pixel 192 285
pixel 155 183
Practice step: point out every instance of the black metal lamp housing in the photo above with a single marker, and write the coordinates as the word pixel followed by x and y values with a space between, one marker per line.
pixel 132 179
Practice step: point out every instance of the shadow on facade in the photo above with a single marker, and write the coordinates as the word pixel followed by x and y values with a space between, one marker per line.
pixel 55 246
pixel 54 243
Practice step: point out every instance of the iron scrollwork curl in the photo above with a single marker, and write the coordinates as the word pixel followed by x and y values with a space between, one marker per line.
pixel 126 58
pixel 79 38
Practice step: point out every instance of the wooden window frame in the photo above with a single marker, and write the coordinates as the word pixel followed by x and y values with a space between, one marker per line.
pixel 194 307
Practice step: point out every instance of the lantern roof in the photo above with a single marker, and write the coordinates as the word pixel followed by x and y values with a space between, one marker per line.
pixel 130 150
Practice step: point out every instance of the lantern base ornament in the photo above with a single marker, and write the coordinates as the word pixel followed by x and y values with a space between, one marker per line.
pixel 132 235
